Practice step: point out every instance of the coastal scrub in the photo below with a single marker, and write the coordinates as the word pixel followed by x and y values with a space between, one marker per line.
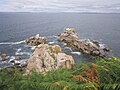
pixel 103 74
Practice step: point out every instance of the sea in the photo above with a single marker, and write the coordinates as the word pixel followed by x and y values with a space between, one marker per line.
pixel 16 27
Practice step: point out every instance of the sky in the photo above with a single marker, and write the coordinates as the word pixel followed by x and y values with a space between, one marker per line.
pixel 98 6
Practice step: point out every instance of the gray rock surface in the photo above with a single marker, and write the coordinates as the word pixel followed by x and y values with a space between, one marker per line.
pixel 91 47
pixel 46 58
pixel 35 41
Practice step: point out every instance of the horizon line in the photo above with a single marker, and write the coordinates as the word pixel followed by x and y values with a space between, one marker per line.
pixel 65 12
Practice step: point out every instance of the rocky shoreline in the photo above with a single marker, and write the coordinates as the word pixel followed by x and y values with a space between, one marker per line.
pixel 49 57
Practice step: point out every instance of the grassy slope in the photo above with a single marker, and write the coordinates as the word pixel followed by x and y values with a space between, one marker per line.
pixel 103 74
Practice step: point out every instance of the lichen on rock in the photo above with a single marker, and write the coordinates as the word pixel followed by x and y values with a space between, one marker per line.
pixel 46 58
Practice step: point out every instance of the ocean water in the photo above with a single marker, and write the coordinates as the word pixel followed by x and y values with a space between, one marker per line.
pixel 16 27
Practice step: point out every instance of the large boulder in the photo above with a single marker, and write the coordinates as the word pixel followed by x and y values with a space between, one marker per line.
pixel 70 37
pixel 46 58
pixel 35 40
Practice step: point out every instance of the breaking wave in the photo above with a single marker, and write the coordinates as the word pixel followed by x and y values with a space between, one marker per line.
pixel 23 53
pixel 51 42
pixel 12 43
pixel 78 53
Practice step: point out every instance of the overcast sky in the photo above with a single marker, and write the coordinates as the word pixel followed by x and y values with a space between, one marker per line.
pixel 101 6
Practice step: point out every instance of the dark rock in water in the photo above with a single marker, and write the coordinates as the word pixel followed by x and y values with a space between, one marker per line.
pixel 16 63
pixel 24 65
pixel 17 57
pixel 3 56
pixel 95 42
pixel 0 58
pixel 94 53
pixel 12 61
pixel 70 37
pixel 35 41
pixel 107 49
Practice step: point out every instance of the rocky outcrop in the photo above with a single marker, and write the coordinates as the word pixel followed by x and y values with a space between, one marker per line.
pixel 3 57
pixel 107 49
pixel 35 40
pixel 91 47
pixel 46 58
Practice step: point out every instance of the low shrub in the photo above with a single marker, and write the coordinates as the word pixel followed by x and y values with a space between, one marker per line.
pixel 103 74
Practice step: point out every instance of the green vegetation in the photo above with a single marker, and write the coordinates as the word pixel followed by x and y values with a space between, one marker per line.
pixel 103 74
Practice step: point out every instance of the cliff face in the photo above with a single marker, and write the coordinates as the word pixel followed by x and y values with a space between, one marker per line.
pixel 46 58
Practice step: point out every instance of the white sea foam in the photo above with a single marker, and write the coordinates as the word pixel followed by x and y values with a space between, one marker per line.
pixel 102 46
pixel 64 44
pixel 53 36
pixel 78 53
pixel 11 43
pixel 51 42
pixel 12 58
pixel 68 48
pixel 23 61
pixel 7 57
pixel 33 47
pixel 17 61
pixel 22 53
pixel 19 50
pixel 3 62
pixel 37 35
